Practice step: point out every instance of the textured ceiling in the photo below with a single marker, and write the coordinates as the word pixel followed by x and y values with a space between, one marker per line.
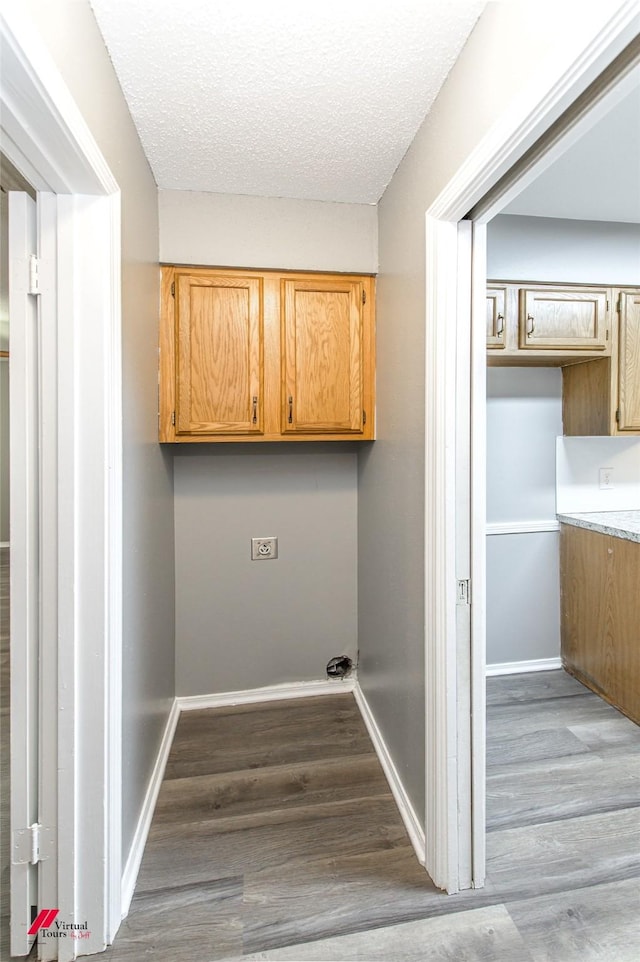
pixel 279 97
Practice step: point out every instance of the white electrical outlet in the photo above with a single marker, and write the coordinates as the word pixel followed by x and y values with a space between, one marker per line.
pixel 264 549
pixel 606 478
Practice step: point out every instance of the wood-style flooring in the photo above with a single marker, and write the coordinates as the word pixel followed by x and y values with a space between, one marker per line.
pixel 276 837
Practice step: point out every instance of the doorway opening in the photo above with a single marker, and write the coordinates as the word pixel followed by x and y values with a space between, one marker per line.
pixel 456 491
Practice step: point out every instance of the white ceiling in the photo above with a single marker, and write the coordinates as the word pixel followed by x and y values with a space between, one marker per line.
pixel 282 98
pixel 596 179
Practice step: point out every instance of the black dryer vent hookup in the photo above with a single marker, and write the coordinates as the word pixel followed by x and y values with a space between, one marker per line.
pixel 339 667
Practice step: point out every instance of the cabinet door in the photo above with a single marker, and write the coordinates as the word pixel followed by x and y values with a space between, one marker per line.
pixel 322 356
pixel 629 362
pixel 496 313
pixel 571 320
pixel 219 354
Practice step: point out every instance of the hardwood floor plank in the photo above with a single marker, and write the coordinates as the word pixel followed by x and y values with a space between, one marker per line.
pixel 596 924
pixel 277 733
pixel 284 786
pixel 195 922
pixel 577 785
pixel 553 857
pixel 510 748
pixel 546 715
pixel 531 686
pixel 308 899
pixel 194 852
pixel 479 935
pixel 612 735
pixel 296 817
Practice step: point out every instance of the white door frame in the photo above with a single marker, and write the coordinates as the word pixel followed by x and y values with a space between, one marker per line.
pixel 25 537
pixel 46 138
pixel 455 737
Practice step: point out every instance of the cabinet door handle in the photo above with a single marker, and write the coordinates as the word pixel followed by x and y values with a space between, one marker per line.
pixel 255 410
pixel 290 410
pixel 500 327
pixel 530 331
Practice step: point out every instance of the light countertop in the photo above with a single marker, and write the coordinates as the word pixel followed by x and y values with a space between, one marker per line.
pixel 618 524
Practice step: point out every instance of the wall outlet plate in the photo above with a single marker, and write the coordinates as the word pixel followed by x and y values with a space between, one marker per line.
pixel 264 549
pixel 606 479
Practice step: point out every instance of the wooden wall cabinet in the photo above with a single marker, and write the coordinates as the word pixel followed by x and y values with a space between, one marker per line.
pixel 266 356
pixel 602 396
pixel 628 410
pixel 600 614
pixel 546 324
pixel 591 332
pixel 496 313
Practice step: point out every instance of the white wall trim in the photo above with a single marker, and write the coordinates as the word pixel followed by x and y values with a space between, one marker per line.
pixel 134 860
pixel 64 157
pixel 521 527
pixel 519 667
pixel 408 814
pixel 296 689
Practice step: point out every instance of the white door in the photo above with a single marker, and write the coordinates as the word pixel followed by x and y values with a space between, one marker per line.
pixel 24 577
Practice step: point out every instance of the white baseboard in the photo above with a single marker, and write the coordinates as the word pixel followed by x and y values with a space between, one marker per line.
pixel 407 812
pixel 132 867
pixel 298 689
pixel 519 667
pixel 522 527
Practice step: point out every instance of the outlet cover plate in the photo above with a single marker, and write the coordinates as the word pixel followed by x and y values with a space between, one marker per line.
pixel 606 479
pixel 264 549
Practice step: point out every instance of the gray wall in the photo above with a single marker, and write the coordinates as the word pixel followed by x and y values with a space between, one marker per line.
pixel 524 417
pixel 489 75
pixel 70 33
pixel 552 249
pixel 233 230
pixel 243 624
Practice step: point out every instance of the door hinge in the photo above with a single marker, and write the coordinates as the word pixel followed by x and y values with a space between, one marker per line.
pixel 173 288
pixel 32 845
pixel 34 274
pixel 463 594
pixel 618 416
pixel 364 418
pixel 173 418
pixel 364 296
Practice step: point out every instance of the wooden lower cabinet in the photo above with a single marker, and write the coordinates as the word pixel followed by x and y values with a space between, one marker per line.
pixel 266 356
pixel 600 614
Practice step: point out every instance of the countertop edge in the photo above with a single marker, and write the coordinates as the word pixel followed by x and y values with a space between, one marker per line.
pixel 598 522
